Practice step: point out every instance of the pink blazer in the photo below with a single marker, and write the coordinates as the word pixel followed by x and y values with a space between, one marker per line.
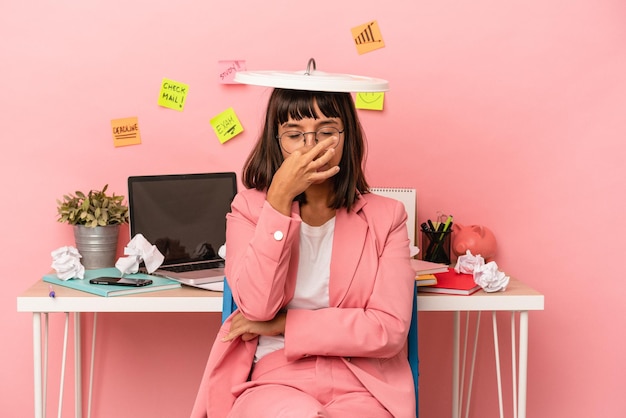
pixel 371 280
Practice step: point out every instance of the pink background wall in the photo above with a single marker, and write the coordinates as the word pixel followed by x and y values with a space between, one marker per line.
pixel 504 113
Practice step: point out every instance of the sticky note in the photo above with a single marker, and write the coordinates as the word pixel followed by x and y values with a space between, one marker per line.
pixel 173 94
pixel 367 37
pixel 125 131
pixel 370 101
pixel 228 68
pixel 226 125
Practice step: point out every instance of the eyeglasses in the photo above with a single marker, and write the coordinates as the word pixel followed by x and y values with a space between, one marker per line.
pixel 293 140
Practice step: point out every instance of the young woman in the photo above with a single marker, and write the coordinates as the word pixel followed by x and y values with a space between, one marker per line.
pixel 319 269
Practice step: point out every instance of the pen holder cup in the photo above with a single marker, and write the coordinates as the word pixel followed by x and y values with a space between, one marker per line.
pixel 436 246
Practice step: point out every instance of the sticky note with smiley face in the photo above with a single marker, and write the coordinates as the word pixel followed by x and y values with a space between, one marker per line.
pixel 370 101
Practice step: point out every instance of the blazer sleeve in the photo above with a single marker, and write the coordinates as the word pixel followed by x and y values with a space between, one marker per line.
pixel 260 243
pixel 380 327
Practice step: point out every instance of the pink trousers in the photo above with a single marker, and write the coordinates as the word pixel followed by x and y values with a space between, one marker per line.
pixel 307 388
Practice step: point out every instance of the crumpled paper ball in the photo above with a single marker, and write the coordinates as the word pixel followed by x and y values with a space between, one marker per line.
pixel 66 262
pixel 486 275
pixel 490 278
pixel 468 262
pixel 137 250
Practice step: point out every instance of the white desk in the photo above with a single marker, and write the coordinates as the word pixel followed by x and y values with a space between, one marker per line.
pixel 37 300
pixel 517 298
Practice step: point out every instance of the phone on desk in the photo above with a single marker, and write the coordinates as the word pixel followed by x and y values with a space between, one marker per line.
pixel 121 281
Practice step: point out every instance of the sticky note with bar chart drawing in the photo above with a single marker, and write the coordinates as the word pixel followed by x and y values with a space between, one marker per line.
pixel 367 37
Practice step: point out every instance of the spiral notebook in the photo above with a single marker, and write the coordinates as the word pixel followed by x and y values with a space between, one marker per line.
pixel 409 198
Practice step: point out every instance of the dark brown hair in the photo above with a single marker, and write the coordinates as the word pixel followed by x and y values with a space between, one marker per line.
pixel 266 157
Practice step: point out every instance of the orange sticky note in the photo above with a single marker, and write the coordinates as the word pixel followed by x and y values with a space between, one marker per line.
pixel 367 37
pixel 226 125
pixel 125 131
pixel 370 101
pixel 173 94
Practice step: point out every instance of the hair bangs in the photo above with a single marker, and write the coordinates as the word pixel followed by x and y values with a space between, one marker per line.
pixel 298 105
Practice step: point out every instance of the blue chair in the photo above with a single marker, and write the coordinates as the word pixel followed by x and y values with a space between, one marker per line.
pixel 229 307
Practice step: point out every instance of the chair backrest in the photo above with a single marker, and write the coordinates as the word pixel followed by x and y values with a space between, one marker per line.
pixel 228 303
pixel 229 306
pixel 414 360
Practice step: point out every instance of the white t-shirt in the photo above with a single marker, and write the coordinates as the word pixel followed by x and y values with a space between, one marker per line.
pixel 316 244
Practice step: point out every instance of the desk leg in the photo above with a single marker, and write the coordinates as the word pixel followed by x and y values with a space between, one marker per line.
pixel 78 384
pixel 455 364
pixel 496 349
pixel 37 364
pixel 514 365
pixel 523 363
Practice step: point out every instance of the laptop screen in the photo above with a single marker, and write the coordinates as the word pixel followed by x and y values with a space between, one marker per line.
pixel 184 215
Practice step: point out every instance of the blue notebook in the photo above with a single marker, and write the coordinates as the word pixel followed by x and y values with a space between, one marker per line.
pixel 158 283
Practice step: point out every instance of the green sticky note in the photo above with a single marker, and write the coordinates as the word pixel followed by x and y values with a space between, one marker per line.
pixel 173 94
pixel 370 101
pixel 226 125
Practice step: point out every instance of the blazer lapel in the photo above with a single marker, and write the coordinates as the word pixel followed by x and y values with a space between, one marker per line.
pixel 348 244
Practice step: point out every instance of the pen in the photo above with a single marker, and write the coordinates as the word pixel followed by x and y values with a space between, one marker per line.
pixel 430 231
pixel 446 226
pixel 52 294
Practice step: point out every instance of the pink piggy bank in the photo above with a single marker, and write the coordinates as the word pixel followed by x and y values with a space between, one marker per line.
pixel 476 238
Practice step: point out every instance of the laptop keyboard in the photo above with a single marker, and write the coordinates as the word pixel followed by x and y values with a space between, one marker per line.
pixel 194 266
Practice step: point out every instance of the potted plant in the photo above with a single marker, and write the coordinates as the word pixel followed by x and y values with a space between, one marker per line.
pixel 96 218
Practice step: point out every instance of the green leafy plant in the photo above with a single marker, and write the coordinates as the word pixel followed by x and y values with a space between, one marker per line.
pixel 96 208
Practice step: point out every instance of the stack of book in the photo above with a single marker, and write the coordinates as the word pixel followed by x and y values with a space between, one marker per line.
pixel 453 283
pixel 425 271
pixel 425 280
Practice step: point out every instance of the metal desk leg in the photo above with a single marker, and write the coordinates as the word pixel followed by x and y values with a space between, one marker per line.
pixel 496 349
pixel 455 364
pixel 513 364
pixel 519 395
pixel 523 363
pixel 78 394
pixel 37 364
pixel 474 351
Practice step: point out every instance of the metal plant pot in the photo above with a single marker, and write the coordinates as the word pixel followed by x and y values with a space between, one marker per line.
pixel 97 245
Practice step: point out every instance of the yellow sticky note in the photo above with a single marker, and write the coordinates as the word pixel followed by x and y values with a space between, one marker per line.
pixel 226 125
pixel 367 37
pixel 173 94
pixel 370 101
pixel 125 131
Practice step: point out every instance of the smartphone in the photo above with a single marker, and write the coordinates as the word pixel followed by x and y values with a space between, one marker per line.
pixel 121 281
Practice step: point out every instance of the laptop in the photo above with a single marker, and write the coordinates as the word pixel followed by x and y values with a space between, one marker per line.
pixel 184 215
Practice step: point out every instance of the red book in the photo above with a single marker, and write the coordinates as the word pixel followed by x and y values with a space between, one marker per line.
pixel 452 283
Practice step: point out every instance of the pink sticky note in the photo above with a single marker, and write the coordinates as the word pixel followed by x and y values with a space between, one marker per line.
pixel 228 68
